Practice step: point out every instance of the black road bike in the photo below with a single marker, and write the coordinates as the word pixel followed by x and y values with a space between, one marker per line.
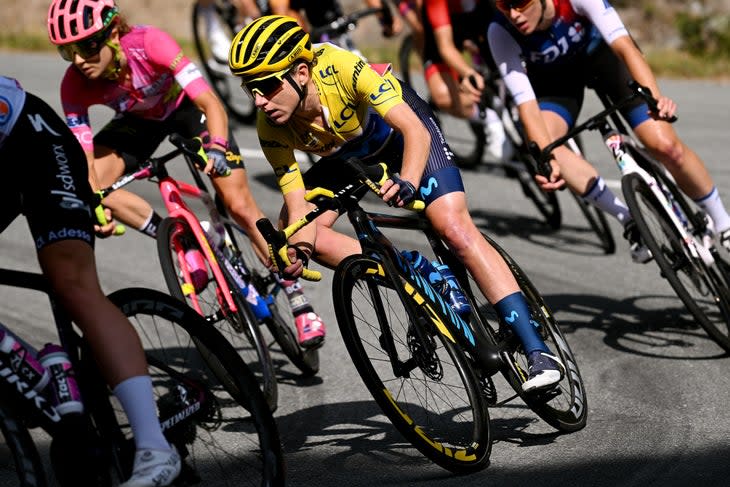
pixel 430 370
pixel 208 402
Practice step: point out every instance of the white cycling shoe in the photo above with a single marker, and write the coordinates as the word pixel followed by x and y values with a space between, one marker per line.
pixel 154 468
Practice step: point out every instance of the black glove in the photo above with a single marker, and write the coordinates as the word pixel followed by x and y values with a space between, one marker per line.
pixel 406 191
pixel 220 163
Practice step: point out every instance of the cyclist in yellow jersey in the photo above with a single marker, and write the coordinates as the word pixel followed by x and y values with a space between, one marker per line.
pixel 327 101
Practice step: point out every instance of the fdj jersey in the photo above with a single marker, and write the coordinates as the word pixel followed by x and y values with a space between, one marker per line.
pixel 577 28
pixel 12 98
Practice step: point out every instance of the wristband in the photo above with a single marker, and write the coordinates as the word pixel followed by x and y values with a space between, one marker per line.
pixel 216 139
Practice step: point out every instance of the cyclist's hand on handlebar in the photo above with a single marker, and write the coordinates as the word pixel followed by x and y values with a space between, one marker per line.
pixel 554 182
pixel 473 84
pixel 666 109
pixel 400 191
pixel 217 162
pixel 105 225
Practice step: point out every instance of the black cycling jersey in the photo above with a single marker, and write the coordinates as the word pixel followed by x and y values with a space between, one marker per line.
pixel 46 177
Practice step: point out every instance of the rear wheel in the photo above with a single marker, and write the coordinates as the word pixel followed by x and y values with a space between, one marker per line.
pixel 564 407
pixel 209 403
pixel 238 104
pixel 428 389
pixel 701 287
pixel 239 327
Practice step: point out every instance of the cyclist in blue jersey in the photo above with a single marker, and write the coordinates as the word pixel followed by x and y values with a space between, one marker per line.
pixel 56 202
pixel 548 52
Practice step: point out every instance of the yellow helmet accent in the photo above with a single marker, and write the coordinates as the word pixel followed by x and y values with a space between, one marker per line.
pixel 269 44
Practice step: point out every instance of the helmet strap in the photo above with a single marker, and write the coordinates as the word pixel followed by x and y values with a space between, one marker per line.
pixel 542 12
pixel 115 66
pixel 301 90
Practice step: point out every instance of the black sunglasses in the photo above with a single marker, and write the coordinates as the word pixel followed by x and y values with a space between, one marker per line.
pixel 265 86
pixel 519 5
pixel 86 48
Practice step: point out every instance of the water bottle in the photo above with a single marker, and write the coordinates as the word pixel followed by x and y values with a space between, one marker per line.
pixel 457 299
pixel 197 269
pixel 65 394
pixel 441 278
pixel 216 234
pixel 18 358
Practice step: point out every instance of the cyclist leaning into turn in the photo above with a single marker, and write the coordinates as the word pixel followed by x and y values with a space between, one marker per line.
pixel 548 51
pixel 325 100
pixel 142 74
pixel 56 201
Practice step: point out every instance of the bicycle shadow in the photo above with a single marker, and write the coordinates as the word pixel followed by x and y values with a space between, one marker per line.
pixel 569 239
pixel 359 428
pixel 650 325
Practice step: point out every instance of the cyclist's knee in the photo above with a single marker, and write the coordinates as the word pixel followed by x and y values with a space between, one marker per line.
pixel 669 150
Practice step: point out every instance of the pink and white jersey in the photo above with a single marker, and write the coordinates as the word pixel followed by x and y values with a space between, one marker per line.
pixel 161 76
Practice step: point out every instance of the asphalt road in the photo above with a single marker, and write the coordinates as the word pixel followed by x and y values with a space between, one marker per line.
pixel 657 387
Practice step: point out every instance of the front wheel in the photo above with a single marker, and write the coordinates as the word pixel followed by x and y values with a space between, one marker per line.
pixel 209 403
pixel 24 463
pixel 564 407
pixel 204 293
pixel 701 287
pixel 426 387
pixel 280 323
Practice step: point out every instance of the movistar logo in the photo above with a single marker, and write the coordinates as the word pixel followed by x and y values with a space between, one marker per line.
pixel 432 184
pixel 512 317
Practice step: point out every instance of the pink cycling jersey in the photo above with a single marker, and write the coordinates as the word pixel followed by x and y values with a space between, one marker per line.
pixel 161 76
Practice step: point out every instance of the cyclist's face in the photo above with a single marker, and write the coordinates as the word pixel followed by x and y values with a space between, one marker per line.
pixel 523 14
pixel 93 65
pixel 280 104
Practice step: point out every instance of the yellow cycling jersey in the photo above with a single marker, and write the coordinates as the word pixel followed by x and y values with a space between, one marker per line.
pixel 354 97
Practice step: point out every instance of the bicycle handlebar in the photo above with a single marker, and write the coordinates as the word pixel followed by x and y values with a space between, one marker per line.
pixel 543 156
pixel 371 176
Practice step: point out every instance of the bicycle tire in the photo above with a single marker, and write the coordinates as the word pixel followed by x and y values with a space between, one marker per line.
pixel 245 446
pixel 241 329
pixel 700 287
pixel 281 323
pixel 598 223
pixel 565 408
pixel 360 287
pixel 227 87
pixel 18 445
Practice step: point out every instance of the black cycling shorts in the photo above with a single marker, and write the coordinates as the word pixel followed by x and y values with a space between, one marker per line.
pixel 46 177
pixel 135 139
pixel 561 88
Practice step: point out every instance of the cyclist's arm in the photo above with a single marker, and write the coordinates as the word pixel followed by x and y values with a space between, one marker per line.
pixel 416 141
pixel 164 51
pixel 389 30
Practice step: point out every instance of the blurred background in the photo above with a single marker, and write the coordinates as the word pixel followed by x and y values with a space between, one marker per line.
pixel 681 38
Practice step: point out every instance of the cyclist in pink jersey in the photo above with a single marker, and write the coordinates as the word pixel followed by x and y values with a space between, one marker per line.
pixel 142 74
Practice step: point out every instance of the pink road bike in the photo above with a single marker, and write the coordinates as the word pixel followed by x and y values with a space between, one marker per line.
pixel 222 280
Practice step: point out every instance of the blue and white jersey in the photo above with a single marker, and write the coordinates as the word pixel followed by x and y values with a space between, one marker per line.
pixel 12 99
pixel 577 28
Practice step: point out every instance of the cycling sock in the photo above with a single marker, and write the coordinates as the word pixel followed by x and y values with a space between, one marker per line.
pixel 514 311
pixel 136 397
pixel 601 196
pixel 712 205
pixel 150 226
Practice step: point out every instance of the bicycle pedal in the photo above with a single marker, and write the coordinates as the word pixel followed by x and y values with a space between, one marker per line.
pixel 544 395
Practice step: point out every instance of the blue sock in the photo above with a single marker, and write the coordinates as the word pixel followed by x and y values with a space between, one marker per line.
pixel 514 311
pixel 137 399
